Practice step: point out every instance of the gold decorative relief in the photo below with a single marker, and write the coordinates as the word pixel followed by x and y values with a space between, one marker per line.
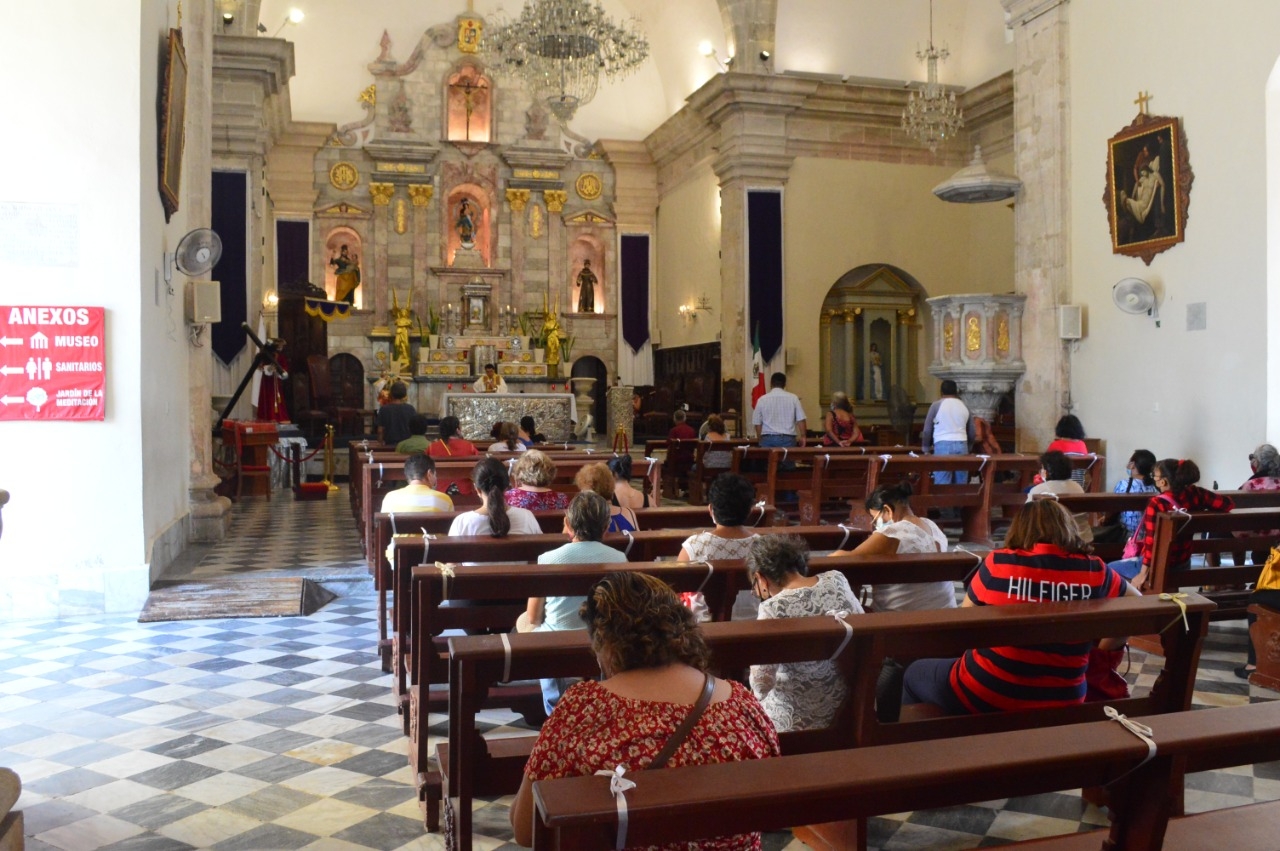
pixel 370 95
pixel 1002 334
pixel 401 168
pixel 402 216
pixel 948 338
pixel 588 218
pixel 535 174
pixel 344 176
pixel 421 194
pixel 517 198
pixel 973 334
pixel 381 193
pixel 536 221
pixel 469 32
pixel 555 199
pixel 589 186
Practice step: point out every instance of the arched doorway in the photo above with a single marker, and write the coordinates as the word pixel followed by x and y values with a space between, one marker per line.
pixel 870 337
pixel 590 366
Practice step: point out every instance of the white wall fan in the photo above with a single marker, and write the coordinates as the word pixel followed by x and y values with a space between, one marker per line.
pixel 1136 296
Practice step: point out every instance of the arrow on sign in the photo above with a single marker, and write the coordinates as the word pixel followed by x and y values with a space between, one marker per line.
pixel 11 370
pixel 10 341
pixel 10 400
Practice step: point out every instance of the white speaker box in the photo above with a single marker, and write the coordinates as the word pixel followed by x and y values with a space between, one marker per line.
pixel 1070 322
pixel 203 302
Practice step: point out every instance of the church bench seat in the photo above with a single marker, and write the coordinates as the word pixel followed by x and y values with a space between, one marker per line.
pixel 789 791
pixel 1265 635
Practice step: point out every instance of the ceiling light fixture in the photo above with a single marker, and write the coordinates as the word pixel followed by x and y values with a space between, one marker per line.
pixel 559 48
pixel 931 115
pixel 295 16
pixel 708 50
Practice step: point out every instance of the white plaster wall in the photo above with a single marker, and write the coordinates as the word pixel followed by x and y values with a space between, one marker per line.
pixel 83 150
pixel 689 259
pixel 1211 386
pixel 841 214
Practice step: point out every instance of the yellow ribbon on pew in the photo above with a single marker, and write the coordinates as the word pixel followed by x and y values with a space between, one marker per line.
pixel 1142 731
pixel 446 573
pixel 1182 606
pixel 618 787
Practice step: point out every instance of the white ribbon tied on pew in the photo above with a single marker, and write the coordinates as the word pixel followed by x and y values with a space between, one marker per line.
pixel 985 459
pixel 710 570
pixel 884 461
pixel 618 787
pixel 631 540
pixel 1180 599
pixel 1142 731
pixel 379 471
pixel 848 530
pixel 652 461
pixel 758 507
pixel 848 633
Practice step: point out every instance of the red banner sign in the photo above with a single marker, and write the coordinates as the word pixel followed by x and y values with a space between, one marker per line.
pixel 53 363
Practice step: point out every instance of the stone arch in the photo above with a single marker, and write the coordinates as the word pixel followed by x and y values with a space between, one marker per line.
pixel 334 241
pixel 871 322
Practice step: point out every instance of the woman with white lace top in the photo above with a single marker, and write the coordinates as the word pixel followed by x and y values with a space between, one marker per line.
pixel 899 530
pixel 797 695
pixel 731 499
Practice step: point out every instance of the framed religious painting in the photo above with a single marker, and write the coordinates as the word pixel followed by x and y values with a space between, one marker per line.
pixel 173 112
pixel 1148 186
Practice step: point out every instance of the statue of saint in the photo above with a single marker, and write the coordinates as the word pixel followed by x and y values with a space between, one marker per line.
pixel 551 329
pixel 877 373
pixel 586 289
pixel 347 276
pixel 466 224
pixel 403 319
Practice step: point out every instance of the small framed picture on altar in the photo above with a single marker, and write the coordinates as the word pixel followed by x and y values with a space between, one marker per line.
pixel 476 312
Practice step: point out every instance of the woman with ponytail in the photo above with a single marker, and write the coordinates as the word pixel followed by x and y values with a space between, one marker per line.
pixel 1176 479
pixel 494 517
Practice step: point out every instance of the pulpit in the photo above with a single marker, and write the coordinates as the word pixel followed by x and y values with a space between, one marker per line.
pixel 250 442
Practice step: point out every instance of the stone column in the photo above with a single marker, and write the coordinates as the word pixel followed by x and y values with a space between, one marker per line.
pixel 421 195
pixel 750 28
pixel 381 231
pixel 210 514
pixel 517 200
pixel 556 248
pixel 1041 116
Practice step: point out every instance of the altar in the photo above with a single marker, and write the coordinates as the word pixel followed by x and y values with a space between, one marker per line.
pixel 477 412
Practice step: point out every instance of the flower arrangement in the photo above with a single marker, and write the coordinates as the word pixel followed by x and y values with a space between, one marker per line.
pixel 431 328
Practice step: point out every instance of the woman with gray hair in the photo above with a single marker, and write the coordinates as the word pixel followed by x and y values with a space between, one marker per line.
pixel 531 479
pixel 796 695
pixel 585 523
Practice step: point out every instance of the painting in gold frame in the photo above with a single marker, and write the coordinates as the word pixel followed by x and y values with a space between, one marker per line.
pixel 1148 186
pixel 173 111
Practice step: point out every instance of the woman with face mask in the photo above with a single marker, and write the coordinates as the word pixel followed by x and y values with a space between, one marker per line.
pixel 899 530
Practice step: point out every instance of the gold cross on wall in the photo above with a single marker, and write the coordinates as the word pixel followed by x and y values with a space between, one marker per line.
pixel 1143 97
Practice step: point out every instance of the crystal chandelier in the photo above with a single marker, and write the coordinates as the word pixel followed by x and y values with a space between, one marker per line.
pixel 559 48
pixel 931 115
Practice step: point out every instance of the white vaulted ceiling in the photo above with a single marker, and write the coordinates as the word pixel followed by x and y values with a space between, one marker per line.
pixel 856 38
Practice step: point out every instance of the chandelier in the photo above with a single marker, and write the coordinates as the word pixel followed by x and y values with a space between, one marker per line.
pixel 559 48
pixel 931 115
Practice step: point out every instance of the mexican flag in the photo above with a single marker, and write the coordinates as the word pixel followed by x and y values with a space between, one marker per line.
pixel 757 366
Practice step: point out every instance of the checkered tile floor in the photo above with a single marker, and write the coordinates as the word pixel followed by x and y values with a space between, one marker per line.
pixel 281 734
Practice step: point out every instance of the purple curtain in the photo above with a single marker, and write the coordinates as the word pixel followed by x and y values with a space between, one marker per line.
pixel 293 243
pixel 227 218
pixel 764 269
pixel 635 289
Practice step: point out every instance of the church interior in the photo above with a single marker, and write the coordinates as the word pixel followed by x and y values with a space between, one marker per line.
pixel 1064 207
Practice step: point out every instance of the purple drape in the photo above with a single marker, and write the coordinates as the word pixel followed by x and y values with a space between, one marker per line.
pixel 634 259
pixel 227 218
pixel 293 244
pixel 764 269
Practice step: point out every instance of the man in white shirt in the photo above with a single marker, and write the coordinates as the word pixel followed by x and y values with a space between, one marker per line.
pixel 778 417
pixel 948 430
pixel 420 494
pixel 490 382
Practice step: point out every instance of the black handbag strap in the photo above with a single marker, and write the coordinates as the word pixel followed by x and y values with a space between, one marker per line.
pixel 686 726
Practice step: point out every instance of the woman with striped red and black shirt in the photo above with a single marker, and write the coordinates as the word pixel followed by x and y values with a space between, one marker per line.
pixel 1043 561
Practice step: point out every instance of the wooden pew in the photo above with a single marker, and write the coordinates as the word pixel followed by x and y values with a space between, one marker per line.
pixel 473 766
pixel 551 522
pixel 1265 635
pixel 1260 525
pixel 774 469
pixel 701 476
pixel 679 804
pixel 412 641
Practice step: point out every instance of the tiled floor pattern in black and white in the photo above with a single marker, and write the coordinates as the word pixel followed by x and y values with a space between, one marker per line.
pixel 281 734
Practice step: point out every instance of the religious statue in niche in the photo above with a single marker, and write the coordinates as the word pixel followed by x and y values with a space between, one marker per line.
pixel 403 319
pixel 586 289
pixel 346 269
pixel 877 372
pixel 466 224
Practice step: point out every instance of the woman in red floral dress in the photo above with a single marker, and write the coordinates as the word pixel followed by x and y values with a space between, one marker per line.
pixel 649 687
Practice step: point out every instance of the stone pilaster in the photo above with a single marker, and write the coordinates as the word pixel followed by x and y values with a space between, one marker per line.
pixel 421 195
pixel 750 29
pixel 381 194
pixel 210 516
pixel 517 200
pixel 1041 116
pixel 556 284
